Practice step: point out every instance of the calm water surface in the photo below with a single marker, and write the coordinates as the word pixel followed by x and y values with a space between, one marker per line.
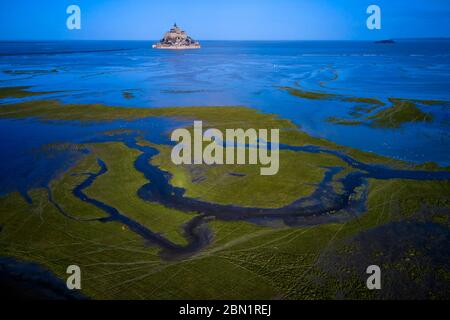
pixel 131 74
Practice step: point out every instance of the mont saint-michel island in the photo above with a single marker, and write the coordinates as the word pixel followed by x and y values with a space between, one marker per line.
pixel 177 39
pixel 276 163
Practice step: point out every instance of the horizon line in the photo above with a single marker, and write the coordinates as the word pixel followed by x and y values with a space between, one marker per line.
pixel 228 40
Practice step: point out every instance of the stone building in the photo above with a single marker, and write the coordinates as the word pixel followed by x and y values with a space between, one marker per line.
pixel 177 39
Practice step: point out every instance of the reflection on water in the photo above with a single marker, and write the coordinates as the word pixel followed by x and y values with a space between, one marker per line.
pixel 223 73
pixel 33 152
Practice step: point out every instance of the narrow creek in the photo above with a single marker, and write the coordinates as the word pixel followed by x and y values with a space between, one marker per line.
pixel 324 205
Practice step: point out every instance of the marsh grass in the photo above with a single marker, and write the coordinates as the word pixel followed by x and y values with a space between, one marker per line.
pixel 244 261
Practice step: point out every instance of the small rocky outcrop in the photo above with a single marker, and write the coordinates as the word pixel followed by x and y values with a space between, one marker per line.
pixel 177 39
pixel 388 41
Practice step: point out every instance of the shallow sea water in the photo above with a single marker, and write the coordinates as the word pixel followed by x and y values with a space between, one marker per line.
pixel 131 74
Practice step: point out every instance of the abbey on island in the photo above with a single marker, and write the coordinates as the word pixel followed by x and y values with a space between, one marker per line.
pixel 177 39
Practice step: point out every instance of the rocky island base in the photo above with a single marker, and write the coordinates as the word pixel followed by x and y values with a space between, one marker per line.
pixel 177 39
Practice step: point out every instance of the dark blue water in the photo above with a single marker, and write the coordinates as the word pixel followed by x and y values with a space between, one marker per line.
pixel 34 152
pixel 127 74
pixel 30 281
pixel 324 205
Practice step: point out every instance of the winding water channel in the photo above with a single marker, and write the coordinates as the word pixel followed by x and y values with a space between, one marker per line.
pixel 324 205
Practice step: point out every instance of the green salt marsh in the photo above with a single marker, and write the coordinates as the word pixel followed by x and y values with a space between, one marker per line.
pixel 374 112
pixel 244 260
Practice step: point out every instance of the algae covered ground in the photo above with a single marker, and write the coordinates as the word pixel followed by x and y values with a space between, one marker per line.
pixel 374 112
pixel 102 226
